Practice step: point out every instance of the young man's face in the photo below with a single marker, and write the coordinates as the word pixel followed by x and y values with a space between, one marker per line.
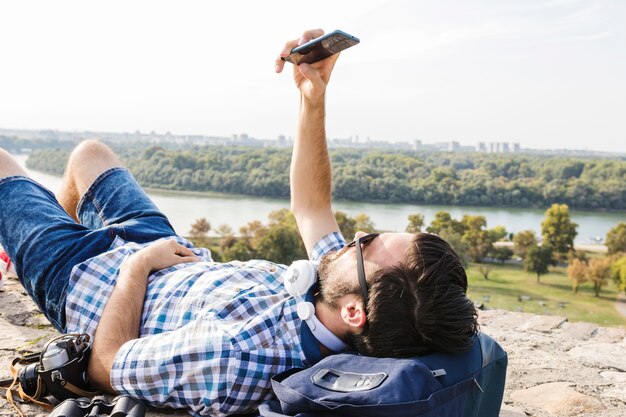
pixel 338 270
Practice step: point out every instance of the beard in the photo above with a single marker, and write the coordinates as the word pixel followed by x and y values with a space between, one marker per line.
pixel 332 283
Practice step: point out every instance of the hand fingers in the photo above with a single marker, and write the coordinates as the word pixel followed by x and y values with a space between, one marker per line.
pixel 279 64
pixel 306 36
pixel 185 259
pixel 309 35
pixel 183 250
pixel 319 73
pixel 329 63
pixel 182 254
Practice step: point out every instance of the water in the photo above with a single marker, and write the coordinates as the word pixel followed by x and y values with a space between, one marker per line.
pixel 184 208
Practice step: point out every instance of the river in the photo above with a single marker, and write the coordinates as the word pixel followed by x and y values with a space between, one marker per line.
pixel 184 208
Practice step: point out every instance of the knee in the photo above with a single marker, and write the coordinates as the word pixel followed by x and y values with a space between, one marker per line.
pixel 4 155
pixel 91 152
pixel 8 165
pixel 88 161
pixel 90 148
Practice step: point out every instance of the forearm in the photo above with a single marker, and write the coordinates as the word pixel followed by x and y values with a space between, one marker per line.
pixel 310 163
pixel 311 175
pixel 121 316
pixel 119 323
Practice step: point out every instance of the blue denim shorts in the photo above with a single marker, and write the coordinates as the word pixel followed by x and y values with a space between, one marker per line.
pixel 45 243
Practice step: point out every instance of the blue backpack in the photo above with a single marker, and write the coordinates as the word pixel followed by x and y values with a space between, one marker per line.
pixel 436 385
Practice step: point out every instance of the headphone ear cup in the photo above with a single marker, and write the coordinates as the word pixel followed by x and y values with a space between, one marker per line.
pixel 299 277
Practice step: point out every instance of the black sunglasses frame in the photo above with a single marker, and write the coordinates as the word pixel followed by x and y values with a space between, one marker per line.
pixel 360 243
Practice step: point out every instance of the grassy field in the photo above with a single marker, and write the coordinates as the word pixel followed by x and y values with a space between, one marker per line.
pixel 509 287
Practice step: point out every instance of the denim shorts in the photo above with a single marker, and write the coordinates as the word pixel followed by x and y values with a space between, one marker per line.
pixel 45 243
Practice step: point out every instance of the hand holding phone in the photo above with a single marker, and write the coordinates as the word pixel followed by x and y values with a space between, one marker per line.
pixel 321 48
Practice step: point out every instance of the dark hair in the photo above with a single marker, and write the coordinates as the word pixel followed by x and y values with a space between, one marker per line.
pixel 420 306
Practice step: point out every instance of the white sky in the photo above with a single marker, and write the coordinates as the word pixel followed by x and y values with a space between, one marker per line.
pixel 546 73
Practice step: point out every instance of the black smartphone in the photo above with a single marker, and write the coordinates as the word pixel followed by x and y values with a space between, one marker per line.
pixel 322 47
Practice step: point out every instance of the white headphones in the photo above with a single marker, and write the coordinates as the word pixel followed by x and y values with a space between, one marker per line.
pixel 299 278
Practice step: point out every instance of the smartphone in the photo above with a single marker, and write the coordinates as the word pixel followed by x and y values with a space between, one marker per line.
pixel 322 47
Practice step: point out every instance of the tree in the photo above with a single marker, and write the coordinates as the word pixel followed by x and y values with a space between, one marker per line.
pixel 416 223
pixel 243 248
pixel 537 260
pixel 282 216
pixel 522 241
pixel 558 231
pixel 498 233
pixel 346 224
pixel 456 242
pixel 618 272
pixel 252 230
pixel 577 272
pixel 443 221
pixel 361 175
pixel 236 249
pixel 363 223
pixel 501 253
pixel 224 230
pixel 200 228
pixel 484 270
pixel 280 242
pixel 476 238
pixel 577 254
pixel 232 248
pixel 616 238
pixel 599 273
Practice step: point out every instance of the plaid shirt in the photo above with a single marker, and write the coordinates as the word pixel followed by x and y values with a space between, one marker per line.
pixel 211 334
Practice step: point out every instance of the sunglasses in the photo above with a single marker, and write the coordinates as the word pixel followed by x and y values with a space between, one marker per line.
pixel 360 243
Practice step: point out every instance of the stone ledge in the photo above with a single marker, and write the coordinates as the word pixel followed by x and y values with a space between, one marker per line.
pixel 558 398
pixel 556 368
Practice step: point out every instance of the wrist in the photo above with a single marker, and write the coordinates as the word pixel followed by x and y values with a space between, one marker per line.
pixel 313 102
pixel 135 268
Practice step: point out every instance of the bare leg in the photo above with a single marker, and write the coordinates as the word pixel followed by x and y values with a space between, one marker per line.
pixel 87 161
pixel 8 166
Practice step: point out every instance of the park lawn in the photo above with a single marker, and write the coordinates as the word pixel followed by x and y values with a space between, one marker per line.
pixel 553 295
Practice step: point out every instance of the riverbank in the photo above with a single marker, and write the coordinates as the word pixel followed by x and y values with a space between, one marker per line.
pixel 577 246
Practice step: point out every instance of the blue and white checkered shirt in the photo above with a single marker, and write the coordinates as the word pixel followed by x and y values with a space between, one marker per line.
pixel 211 334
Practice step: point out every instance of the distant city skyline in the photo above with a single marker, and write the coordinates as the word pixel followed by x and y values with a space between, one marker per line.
pixel 548 74
pixel 245 139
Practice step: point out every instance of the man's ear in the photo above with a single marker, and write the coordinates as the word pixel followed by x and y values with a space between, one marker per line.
pixel 353 315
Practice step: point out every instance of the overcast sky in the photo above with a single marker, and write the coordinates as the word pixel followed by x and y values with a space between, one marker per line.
pixel 545 73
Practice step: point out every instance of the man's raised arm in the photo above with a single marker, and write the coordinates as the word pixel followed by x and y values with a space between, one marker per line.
pixel 310 176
